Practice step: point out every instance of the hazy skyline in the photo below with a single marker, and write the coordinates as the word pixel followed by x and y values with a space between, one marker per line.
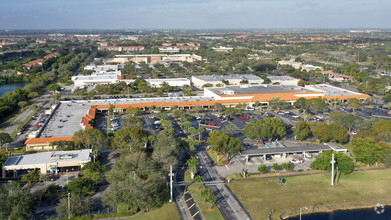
pixel 194 14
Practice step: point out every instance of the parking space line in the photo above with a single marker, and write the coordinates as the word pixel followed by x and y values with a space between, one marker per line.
pixel 195 214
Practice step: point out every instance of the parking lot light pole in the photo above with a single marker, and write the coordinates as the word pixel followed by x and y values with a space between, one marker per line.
pixel 300 210
pixel 69 205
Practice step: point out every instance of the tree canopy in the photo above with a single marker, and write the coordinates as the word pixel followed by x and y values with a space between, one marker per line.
pixel 5 138
pixel 332 132
pixel 343 162
pixel 349 121
pixel 267 127
pixel 15 202
pixel 368 151
pixel 303 130
pixel 165 150
pixel 90 138
pixel 224 144
pixel 136 182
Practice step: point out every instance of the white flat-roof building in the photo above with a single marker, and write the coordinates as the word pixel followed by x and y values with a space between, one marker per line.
pixel 174 82
pixel 81 81
pixel 182 57
pixel 47 162
pixel 295 65
pixel 157 83
pixel 102 68
pixel 233 79
pixel 169 50
pixel 284 80
pixel 222 49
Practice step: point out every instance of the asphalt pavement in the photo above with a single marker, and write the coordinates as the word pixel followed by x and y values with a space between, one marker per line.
pixel 228 203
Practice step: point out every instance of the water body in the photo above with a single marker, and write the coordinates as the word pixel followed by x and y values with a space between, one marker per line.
pixel 10 87
pixel 358 214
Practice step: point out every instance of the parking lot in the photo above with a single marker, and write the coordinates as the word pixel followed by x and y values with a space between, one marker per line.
pixel 239 163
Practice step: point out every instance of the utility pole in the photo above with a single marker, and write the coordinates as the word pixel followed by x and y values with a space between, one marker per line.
pixel 332 169
pixel 171 175
pixel 300 210
pixel 69 205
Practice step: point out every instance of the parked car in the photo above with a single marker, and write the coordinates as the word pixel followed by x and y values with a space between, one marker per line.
pixel 244 117
pixel 212 124
pixel 295 161
pixel 248 108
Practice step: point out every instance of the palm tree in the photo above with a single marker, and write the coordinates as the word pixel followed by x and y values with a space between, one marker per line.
pixel 95 154
pixel 186 125
pixel 151 138
pixel 191 142
pixel 200 131
pixel 192 163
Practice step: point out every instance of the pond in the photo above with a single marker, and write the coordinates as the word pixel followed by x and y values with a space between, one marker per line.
pixel 10 87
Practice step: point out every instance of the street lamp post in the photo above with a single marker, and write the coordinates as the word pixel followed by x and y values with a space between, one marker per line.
pixel 69 205
pixel 300 210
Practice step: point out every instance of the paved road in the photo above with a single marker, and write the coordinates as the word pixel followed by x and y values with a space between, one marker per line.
pixel 229 205
pixel 20 118
pixel 178 194
pixel 20 139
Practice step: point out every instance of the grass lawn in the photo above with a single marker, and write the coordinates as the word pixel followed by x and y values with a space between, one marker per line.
pixel 167 212
pixel 213 154
pixel 356 190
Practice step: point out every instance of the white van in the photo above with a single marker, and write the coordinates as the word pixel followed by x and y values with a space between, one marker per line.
pixel 249 108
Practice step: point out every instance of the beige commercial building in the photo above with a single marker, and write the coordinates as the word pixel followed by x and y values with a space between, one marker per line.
pixel 46 162
pixel 121 48
pixel 222 49
pixel 298 65
pixel 156 58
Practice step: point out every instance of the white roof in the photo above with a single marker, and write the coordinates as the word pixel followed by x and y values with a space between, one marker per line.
pixel 228 77
pixel 51 157
pixel 282 78
pixel 168 80
pixel 95 78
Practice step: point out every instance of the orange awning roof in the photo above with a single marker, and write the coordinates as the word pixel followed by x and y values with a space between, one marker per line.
pixel 48 140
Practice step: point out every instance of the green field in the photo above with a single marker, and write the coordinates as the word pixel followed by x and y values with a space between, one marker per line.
pixel 167 212
pixel 356 190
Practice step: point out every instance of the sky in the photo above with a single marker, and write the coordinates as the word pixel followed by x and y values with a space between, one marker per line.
pixel 193 14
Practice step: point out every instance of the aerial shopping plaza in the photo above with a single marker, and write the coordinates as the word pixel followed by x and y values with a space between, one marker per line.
pixel 68 117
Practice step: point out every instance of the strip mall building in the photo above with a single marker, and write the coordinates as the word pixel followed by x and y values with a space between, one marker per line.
pixel 71 116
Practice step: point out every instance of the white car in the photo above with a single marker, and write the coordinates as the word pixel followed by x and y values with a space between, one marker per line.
pixel 295 161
